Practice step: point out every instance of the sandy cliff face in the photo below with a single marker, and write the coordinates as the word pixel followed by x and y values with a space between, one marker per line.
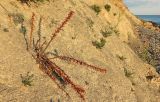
pixel 125 80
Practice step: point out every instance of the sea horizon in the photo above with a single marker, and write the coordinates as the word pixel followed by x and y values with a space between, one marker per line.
pixel 153 18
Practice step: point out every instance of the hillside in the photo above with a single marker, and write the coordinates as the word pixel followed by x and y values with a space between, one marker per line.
pixel 100 32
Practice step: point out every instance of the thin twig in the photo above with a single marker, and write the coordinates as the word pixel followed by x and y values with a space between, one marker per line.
pixel 39 31
pixel 73 60
pixel 59 28
pixel 32 28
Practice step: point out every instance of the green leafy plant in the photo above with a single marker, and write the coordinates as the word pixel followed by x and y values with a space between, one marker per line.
pixel 53 22
pixel 89 22
pixel 23 30
pixel 106 33
pixel 128 73
pixel 121 57
pixel 100 44
pixel 18 18
pixel 144 54
pixel 107 7
pixel 115 30
pixel 27 79
pixel 96 8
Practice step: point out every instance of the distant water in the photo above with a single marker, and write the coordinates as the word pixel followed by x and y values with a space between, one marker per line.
pixel 154 18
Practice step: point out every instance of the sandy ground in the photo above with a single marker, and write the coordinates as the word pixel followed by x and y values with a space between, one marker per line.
pixel 75 40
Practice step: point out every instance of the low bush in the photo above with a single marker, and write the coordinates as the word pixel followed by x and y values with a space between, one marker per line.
pixel 107 7
pixel 96 8
pixel 27 79
pixel 100 44
pixel 106 33
pixel 127 72
pixel 18 18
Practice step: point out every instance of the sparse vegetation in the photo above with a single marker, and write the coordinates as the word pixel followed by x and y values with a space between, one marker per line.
pixel 96 8
pixel 53 22
pixel 149 77
pixel 106 33
pixel 35 1
pixel 127 72
pixel 115 30
pixel 6 30
pixel 23 30
pixel 18 18
pixel 114 14
pixel 51 100
pixel 27 79
pixel 100 44
pixel 121 57
pixel 107 7
pixel 89 23
pixel 144 54
pixel 37 49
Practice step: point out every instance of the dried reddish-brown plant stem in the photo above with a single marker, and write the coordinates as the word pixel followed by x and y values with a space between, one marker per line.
pixel 32 28
pixel 49 67
pixel 59 28
pixel 39 32
pixel 48 71
pixel 73 60
pixel 66 78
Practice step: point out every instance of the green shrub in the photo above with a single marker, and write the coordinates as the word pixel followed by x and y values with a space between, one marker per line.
pixel 144 54
pixel 127 72
pixel 100 44
pixel 96 8
pixel 106 33
pixel 115 30
pixel 121 57
pixel 18 18
pixel 27 79
pixel 23 30
pixel 89 22
pixel 107 7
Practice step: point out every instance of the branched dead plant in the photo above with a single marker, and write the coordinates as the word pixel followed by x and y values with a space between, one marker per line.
pixel 48 66
pixel 28 2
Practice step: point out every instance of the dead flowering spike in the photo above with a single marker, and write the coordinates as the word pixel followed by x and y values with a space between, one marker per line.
pixel 39 31
pixel 48 69
pixel 32 28
pixel 59 28
pixel 63 23
pixel 67 80
pixel 73 60
pixel 79 90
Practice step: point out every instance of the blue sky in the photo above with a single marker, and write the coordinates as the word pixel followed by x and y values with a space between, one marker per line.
pixel 144 7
